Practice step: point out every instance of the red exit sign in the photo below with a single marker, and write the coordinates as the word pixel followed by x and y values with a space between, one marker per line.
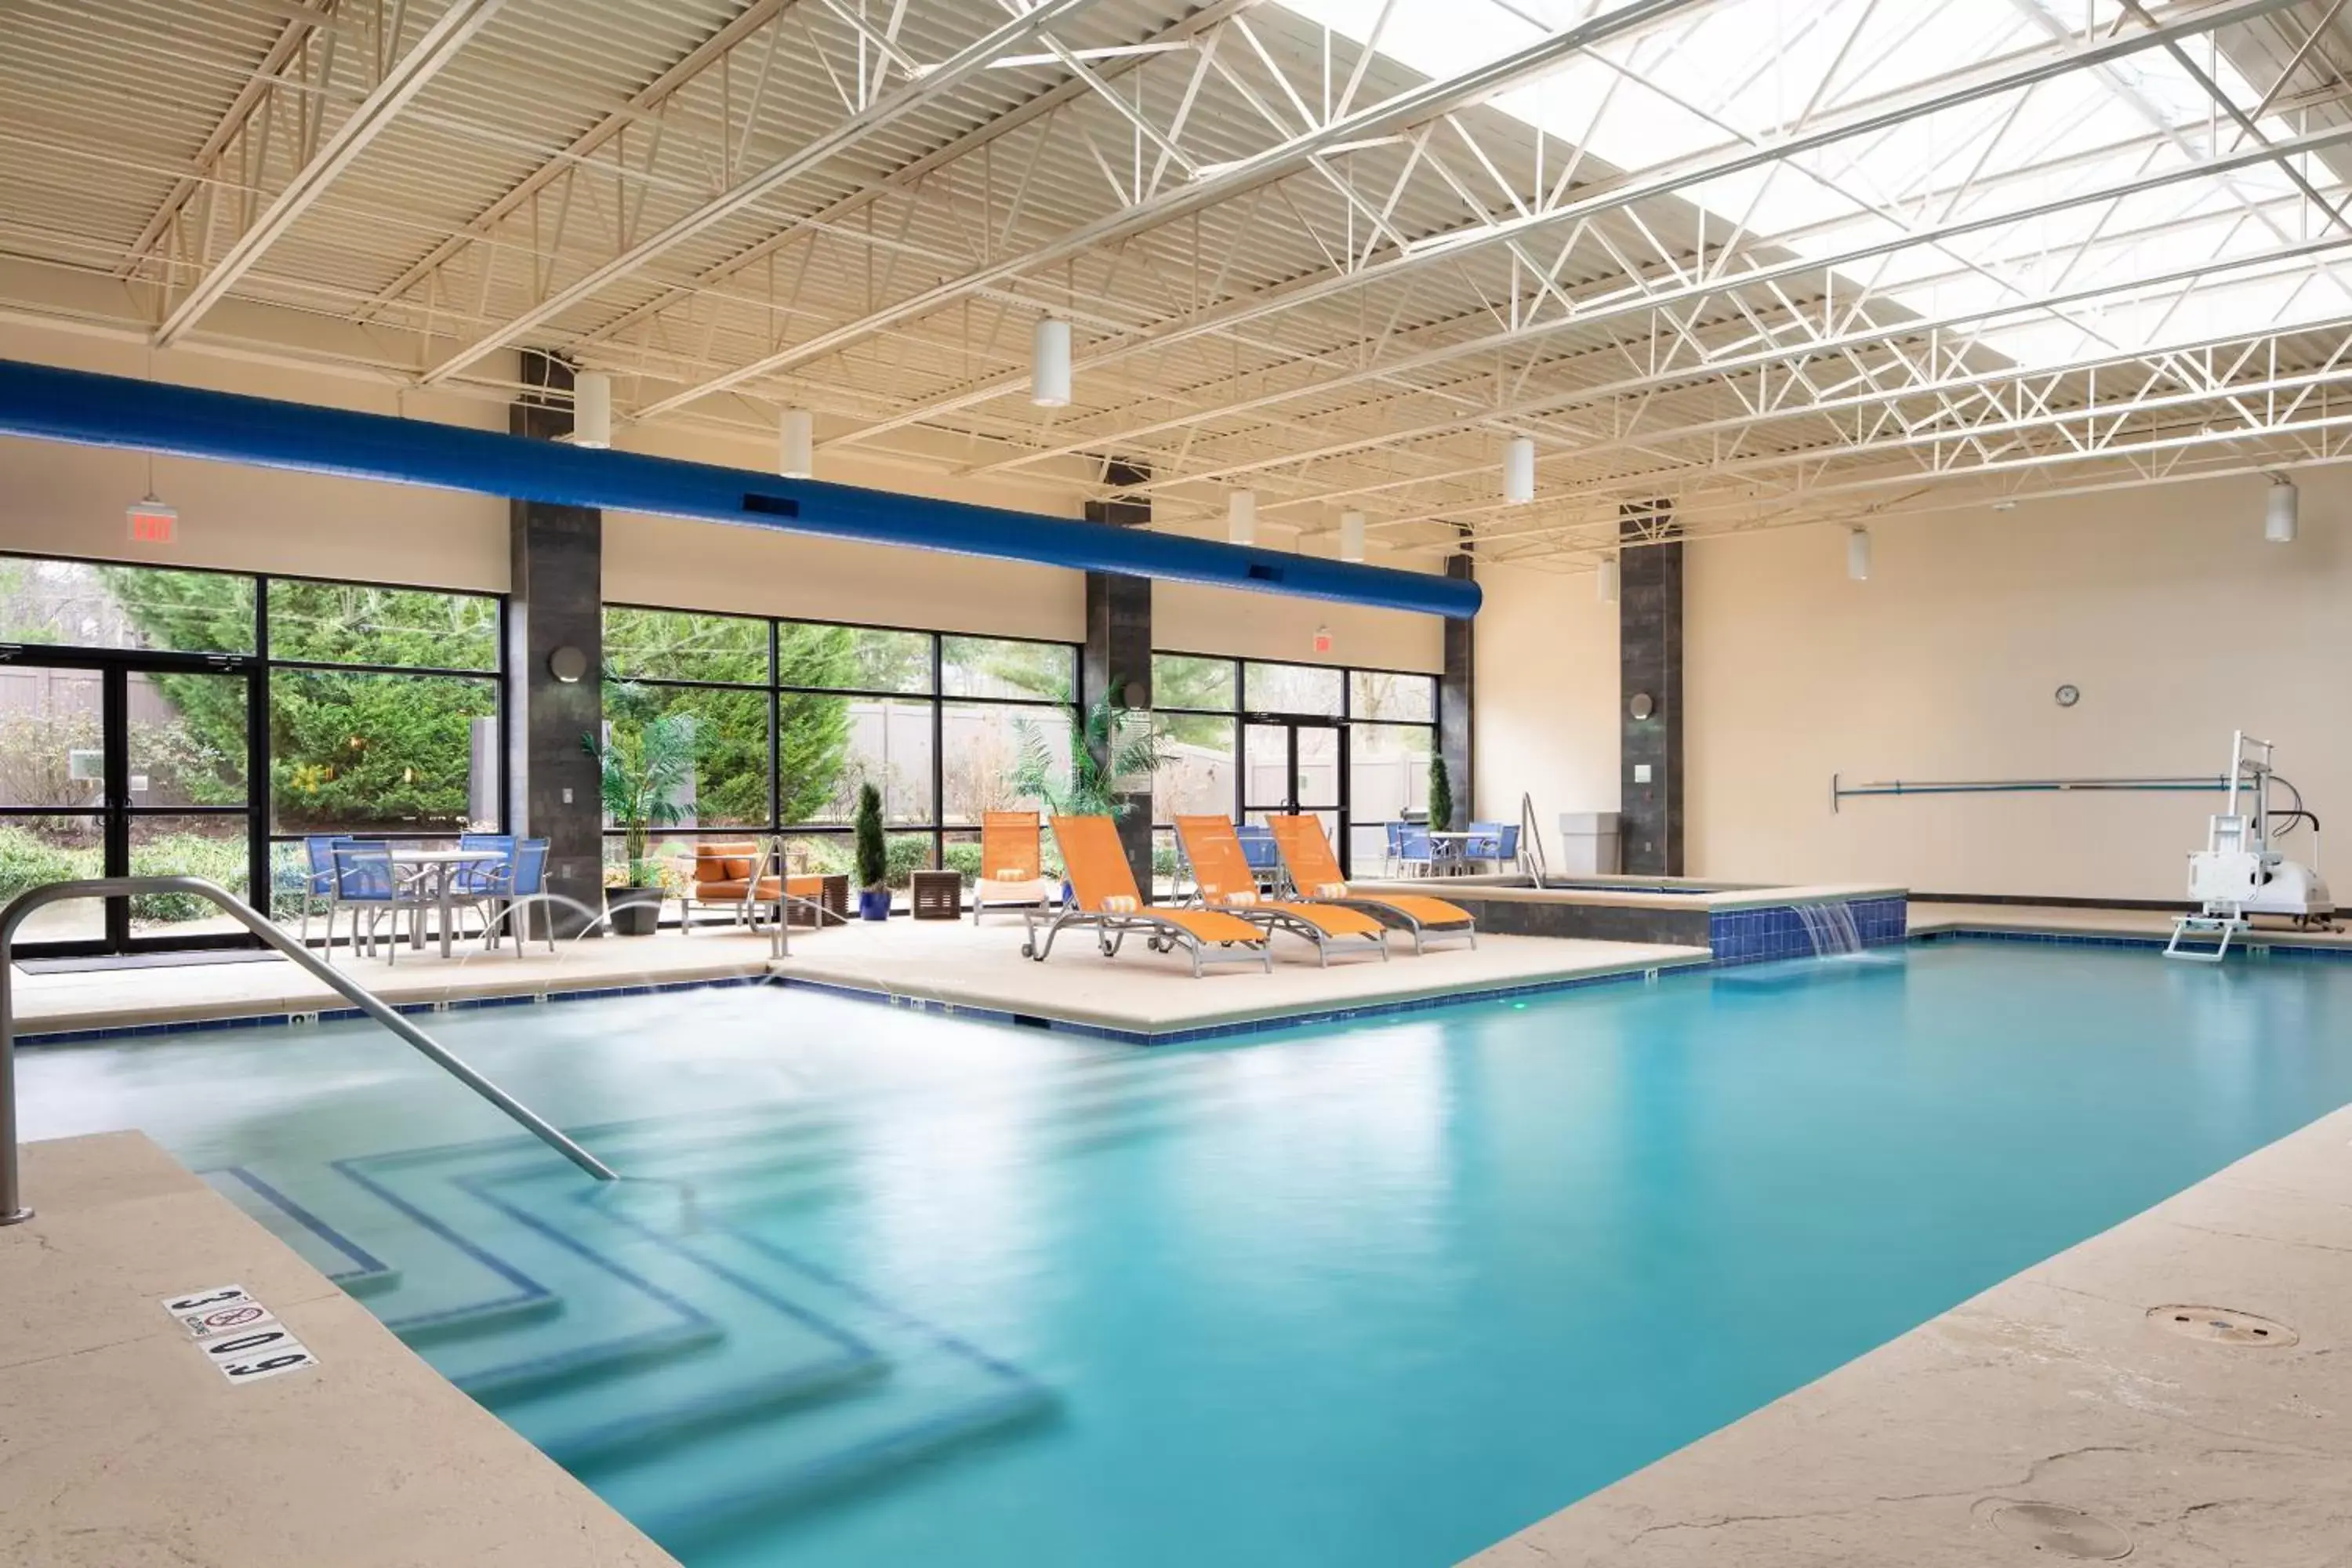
pixel 153 522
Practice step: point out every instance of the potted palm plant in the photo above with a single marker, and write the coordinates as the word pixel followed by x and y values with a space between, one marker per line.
pixel 873 858
pixel 1110 747
pixel 643 771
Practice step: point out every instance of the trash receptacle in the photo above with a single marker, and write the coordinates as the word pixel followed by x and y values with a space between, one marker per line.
pixel 1588 842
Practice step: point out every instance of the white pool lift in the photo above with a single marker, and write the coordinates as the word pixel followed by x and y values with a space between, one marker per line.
pixel 2239 874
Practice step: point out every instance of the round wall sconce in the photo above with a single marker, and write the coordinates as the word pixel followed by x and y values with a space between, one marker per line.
pixel 568 665
pixel 1641 707
pixel 1132 694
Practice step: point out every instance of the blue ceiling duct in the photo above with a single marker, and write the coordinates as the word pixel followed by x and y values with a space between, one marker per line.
pixel 54 404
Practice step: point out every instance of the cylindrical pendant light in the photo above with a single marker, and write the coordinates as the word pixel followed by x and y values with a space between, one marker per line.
pixel 2281 512
pixel 1241 516
pixel 1351 536
pixel 1519 471
pixel 1604 584
pixel 1049 364
pixel 592 410
pixel 796 445
pixel 1857 554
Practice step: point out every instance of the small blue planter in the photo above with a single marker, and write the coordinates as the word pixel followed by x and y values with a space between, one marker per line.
pixel 874 903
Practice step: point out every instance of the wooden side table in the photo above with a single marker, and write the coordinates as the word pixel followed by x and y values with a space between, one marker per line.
pixel 938 895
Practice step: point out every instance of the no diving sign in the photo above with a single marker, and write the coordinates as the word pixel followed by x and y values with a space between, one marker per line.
pixel 238 1334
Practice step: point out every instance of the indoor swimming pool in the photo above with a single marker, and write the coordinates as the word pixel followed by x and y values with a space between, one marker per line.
pixel 886 1287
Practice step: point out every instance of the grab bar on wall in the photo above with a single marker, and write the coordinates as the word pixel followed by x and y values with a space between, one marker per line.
pixel 11 1208
pixel 1840 792
pixel 1531 849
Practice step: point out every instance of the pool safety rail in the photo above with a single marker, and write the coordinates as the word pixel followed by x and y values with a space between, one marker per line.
pixel 12 1207
pixel 1531 851
pixel 1841 792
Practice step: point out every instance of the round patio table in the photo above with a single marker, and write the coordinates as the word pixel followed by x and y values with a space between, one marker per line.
pixel 441 866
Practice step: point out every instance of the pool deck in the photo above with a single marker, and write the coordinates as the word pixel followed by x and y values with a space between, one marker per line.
pixel 2055 919
pixel 951 964
pixel 2055 1387
pixel 123 1448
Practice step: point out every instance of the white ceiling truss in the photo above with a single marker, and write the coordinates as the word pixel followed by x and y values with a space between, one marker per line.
pixel 1764 261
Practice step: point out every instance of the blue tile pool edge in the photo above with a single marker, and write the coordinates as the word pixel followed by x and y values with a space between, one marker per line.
pixel 1729 956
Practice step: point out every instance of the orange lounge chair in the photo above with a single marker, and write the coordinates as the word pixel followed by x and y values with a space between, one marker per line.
pixel 1314 874
pixel 1011 864
pixel 740 877
pixel 1223 880
pixel 1109 906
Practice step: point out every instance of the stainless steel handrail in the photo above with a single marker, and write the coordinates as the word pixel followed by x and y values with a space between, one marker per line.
pixel 11 1208
pixel 1531 849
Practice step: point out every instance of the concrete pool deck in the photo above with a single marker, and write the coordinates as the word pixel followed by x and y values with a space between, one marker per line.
pixel 122 1447
pixel 2055 1388
pixel 952 965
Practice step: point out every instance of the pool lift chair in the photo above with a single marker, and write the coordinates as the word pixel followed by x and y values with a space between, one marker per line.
pixel 2239 874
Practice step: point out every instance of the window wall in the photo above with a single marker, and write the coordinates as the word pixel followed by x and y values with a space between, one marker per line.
pixel 1245 736
pixel 254 711
pixel 792 717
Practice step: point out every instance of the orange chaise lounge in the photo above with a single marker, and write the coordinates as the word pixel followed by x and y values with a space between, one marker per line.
pixel 1108 905
pixel 1314 874
pixel 1223 880
pixel 1012 864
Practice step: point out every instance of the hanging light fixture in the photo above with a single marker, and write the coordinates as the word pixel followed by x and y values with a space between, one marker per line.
pixel 1241 516
pixel 1351 536
pixel 1519 471
pixel 1604 581
pixel 1857 554
pixel 796 445
pixel 592 410
pixel 2281 512
pixel 1049 364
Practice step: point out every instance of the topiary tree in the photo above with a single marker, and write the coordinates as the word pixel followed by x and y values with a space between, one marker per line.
pixel 873 855
pixel 1441 794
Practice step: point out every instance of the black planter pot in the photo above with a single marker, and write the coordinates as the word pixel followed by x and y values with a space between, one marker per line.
pixel 633 911
pixel 874 903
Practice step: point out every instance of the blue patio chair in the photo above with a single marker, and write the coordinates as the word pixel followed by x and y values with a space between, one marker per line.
pixel 367 884
pixel 523 882
pixel 1506 853
pixel 1416 851
pixel 478 883
pixel 1258 850
pixel 318 880
pixel 1485 843
pixel 1393 856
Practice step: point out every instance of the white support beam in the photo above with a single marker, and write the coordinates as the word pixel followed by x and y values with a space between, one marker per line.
pixel 1621 195
pixel 1413 106
pixel 934 83
pixel 439 46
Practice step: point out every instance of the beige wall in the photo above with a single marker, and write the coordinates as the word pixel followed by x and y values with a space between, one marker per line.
pixel 70 500
pixel 1547 696
pixel 2163 605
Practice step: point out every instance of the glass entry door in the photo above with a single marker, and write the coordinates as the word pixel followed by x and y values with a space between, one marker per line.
pixel 127 765
pixel 1296 766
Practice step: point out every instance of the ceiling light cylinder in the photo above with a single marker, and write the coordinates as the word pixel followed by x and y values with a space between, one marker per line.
pixel 1241 516
pixel 592 410
pixel 1351 536
pixel 796 445
pixel 1519 471
pixel 2282 512
pixel 1857 554
pixel 1049 364
pixel 1604 584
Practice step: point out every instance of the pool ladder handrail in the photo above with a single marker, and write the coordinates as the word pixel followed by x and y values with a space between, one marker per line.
pixel 11 1208
pixel 1531 849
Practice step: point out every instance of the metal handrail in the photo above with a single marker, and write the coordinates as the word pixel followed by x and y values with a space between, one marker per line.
pixel 11 1208
pixel 1531 849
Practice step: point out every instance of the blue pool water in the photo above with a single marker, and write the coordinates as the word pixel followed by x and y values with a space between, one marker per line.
pixel 891 1288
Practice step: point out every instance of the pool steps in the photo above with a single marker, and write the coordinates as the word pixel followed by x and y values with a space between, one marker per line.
pixel 697 1375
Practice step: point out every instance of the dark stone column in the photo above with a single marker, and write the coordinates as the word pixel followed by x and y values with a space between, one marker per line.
pixel 1456 694
pixel 1650 663
pixel 1117 660
pixel 555 599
